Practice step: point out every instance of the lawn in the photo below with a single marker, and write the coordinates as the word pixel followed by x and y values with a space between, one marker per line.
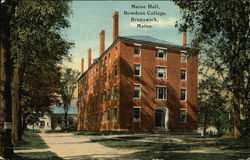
pixel 195 148
pixel 36 156
pixel 32 140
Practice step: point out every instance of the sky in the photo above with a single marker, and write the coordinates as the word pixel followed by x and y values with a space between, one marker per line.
pixel 90 17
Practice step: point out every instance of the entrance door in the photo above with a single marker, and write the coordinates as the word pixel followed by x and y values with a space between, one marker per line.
pixel 159 119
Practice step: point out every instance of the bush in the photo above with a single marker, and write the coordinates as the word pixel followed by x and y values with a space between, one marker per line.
pixel 69 128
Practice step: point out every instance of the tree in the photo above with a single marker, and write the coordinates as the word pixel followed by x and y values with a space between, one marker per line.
pixel 30 32
pixel 68 86
pixel 213 101
pixel 6 70
pixel 224 25
pixel 35 37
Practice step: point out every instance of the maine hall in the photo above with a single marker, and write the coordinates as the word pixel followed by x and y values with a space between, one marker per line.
pixel 138 83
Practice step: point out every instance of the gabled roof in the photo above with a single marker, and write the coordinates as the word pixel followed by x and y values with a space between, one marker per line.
pixel 60 110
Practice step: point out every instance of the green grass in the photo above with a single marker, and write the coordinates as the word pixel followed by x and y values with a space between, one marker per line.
pixel 189 156
pixel 99 133
pixel 177 151
pixel 36 156
pixel 30 140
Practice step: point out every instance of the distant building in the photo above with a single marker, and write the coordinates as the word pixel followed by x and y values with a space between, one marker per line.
pixel 138 83
pixel 55 119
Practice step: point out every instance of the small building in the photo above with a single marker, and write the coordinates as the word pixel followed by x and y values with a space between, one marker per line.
pixel 138 83
pixel 55 119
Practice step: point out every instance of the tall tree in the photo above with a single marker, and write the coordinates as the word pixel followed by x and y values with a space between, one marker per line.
pixel 36 42
pixel 68 86
pixel 30 32
pixel 224 24
pixel 213 101
pixel 6 71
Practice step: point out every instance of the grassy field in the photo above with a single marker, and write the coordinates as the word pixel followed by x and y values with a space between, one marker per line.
pixel 31 140
pixel 196 148
pixel 37 156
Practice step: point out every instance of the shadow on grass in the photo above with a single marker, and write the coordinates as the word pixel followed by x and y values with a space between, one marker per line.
pixel 152 146
pixel 30 140
pixel 176 151
pixel 36 156
pixel 189 156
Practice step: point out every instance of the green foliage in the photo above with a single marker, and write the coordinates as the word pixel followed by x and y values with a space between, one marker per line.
pixel 221 30
pixel 68 85
pixel 214 102
pixel 37 44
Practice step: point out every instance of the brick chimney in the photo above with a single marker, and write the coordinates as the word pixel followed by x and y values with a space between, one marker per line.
pixel 184 39
pixel 82 66
pixel 89 56
pixel 115 26
pixel 102 42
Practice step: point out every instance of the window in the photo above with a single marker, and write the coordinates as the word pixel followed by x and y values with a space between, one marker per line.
pixel 116 52
pixel 116 70
pixel 106 116
pixel 137 91
pixel 161 54
pixel 112 114
pixel 137 114
pixel 161 93
pixel 183 57
pixel 137 68
pixel 183 94
pixel 183 116
pixel 137 50
pixel 161 72
pixel 183 75
pixel 109 58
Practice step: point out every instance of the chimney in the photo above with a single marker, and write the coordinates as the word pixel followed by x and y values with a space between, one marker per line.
pixel 89 56
pixel 102 42
pixel 82 65
pixel 115 26
pixel 184 39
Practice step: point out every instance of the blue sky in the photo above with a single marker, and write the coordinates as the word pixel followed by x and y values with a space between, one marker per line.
pixel 90 17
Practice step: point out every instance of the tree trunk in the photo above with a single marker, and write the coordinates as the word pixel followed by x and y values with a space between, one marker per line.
pixel 2 104
pixel 16 132
pixel 205 124
pixel 236 106
pixel 7 10
pixel 66 108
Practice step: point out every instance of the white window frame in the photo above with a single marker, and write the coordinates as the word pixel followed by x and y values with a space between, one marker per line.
pixel 185 94
pixel 139 92
pixel 166 92
pixel 139 70
pixel 157 53
pixel 183 53
pixel 158 67
pixel 185 121
pixel 185 75
pixel 139 119
pixel 137 46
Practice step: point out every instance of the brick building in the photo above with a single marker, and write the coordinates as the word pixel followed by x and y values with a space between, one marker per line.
pixel 138 83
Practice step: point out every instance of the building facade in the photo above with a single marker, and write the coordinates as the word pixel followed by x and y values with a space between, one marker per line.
pixel 138 83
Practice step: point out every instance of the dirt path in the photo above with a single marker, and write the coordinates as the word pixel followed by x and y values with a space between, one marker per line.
pixel 69 146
